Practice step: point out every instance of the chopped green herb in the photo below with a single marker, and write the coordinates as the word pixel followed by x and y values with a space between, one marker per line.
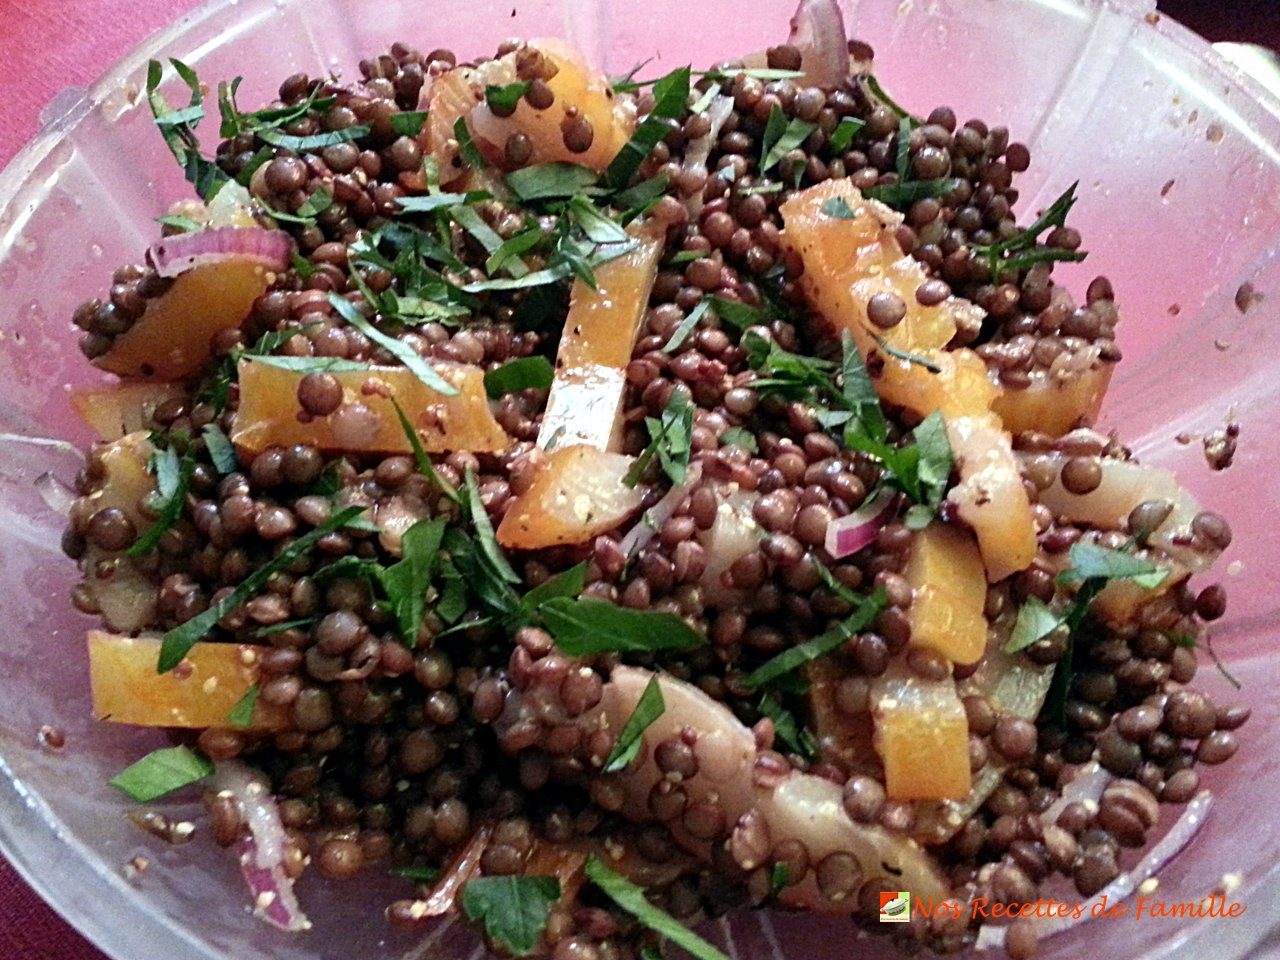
pixel 161 772
pixel 178 128
pixel 221 452
pixel 631 898
pixel 670 94
pixel 735 313
pixel 301 624
pixel 178 641
pixel 241 714
pixel 514 910
pixel 919 361
pixel 638 200
pixel 788 731
pixel 439 201
pixel 1023 245
pixel 471 221
pixel 551 181
pixel 763 187
pixel 467 148
pixel 185 224
pixel 173 476
pixel 262 156
pixel 649 708
pixel 397 348
pixel 700 105
pixel 756 73
pixel 1090 561
pixel 315 141
pixel 687 326
pixel 407 581
pixel 423 462
pixel 878 92
pixel 596 226
pixel 936 460
pixel 562 270
pixel 794 658
pixel 409 123
pixel 844 133
pixel 779 878
pixel 902 195
pixel 688 256
pixel 512 249
pixel 740 437
pixel 310 364
pixel 524 373
pixel 839 208
pixel 1036 620
pixel 588 625
pixel 489 547
pixel 781 136
pixel 569 584
pixel 317 203
pixel 670 439
pixel 503 100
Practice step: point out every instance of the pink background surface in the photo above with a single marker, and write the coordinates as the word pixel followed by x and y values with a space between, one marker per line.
pixel 48 45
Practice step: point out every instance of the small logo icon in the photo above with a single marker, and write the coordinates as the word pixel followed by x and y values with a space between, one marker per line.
pixel 895 907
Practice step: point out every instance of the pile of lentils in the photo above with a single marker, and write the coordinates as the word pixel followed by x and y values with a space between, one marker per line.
pixel 395 755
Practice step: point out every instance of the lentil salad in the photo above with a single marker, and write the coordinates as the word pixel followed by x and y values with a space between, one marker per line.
pixel 485 599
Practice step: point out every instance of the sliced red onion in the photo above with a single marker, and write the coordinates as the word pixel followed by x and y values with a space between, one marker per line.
pixel 1170 845
pixel 817 31
pixel 652 519
pixel 1085 787
pixel 262 853
pixel 848 534
pixel 178 254
pixel 57 496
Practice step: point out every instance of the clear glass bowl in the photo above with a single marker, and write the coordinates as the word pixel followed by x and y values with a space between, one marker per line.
pixel 1179 161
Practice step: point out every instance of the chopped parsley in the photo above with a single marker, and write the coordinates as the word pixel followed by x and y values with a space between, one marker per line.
pixel 670 440
pixel 241 715
pixel 523 373
pixel 670 95
pixel 781 136
pixel 161 772
pixel 587 625
pixel 843 134
pixel 514 910
pixel 648 708
pixel 791 659
pixel 1022 249
pixel 173 476
pixel 631 898
pixel 177 126
pixel 794 737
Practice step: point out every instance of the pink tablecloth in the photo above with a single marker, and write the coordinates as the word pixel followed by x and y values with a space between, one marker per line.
pixel 47 45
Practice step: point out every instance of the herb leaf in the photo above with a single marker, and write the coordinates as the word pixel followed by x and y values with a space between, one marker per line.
pixel 407 581
pixel 409 123
pixel 844 133
pixel 934 467
pixel 551 181
pixel 523 373
pixel 739 437
pixel 631 898
pixel 670 95
pixel 736 313
pixel 172 479
pixel 687 326
pixel 670 439
pixel 178 129
pixel 904 193
pixel 315 141
pixel 401 351
pixel 589 625
pixel 484 531
pixel 178 641
pixel 503 100
pixel 467 148
pixel 838 208
pixel 221 452
pixel 241 714
pixel 819 646
pixel 569 584
pixel 514 909
pixel 782 136
pixel 649 708
pixel 1036 620
pixel 796 738
pixel 425 466
pixel 161 772
pixel 1090 561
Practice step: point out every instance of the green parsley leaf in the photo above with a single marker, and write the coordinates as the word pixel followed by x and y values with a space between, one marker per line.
pixel 467 148
pixel 185 224
pixel 781 136
pixel 512 248
pixel 779 878
pixel 424 464
pixel 637 200
pixel 1023 245
pixel 397 348
pixel 1036 620
pixel 178 128
pixel 471 221
pixel 569 584
pixel 315 141
pixel 878 92
pixel 735 313
pixel 838 208
pixel 868 609
pixel 417 874
pixel 688 256
pixel 438 201
pixel 919 361
pixel 901 195
pixel 670 94
pixel 172 479
pixel 687 326
pixel 241 714
pixel 793 737
pixel 503 100
pixel 178 641
pixel 860 394
pixel 844 133
pixel 936 459
pixel 649 708
pixel 514 910
pixel 631 898
pixel 161 772
pixel 756 73
pixel 551 181
pixel 407 581
pixel 317 203
pixel 409 123
pixel 740 437
pixel 561 270
pixel 221 452
pixel 309 364
pixel 489 547
pixel 524 373
pixel 596 226
pixel 1090 561
pixel 299 624
pixel 670 439
pixel 700 105
pixel 589 625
